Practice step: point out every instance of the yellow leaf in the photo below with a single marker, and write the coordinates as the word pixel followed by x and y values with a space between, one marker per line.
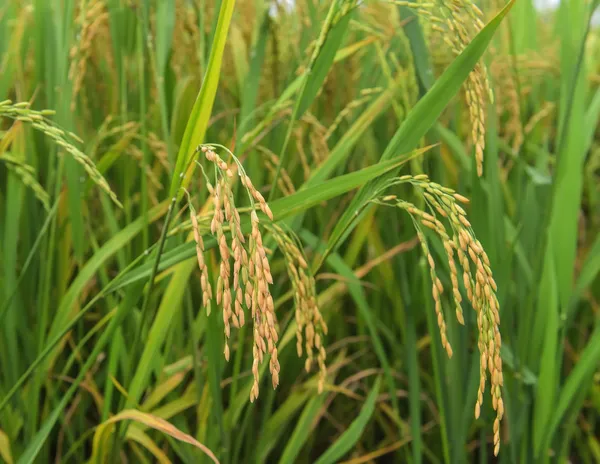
pixel 5 448
pixel 135 434
pixel 151 421
pixel 163 390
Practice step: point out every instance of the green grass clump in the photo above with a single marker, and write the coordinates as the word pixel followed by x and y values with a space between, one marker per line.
pixel 319 189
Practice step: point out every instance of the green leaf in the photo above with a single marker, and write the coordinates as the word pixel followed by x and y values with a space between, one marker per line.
pixel 349 438
pixel 418 46
pixel 35 445
pixel 547 326
pixel 588 273
pixel 344 146
pixel 580 378
pixel 165 17
pixel 302 430
pixel 275 426
pixel 330 38
pixel 198 120
pixel 571 150
pixel 325 58
pixel 166 314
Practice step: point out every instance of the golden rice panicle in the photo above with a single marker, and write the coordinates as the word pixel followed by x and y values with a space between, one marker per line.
pixel 262 204
pixel 27 174
pixel 186 36
pixel 476 105
pixel 459 240
pixel 366 95
pixel 92 22
pixel 240 257
pixel 310 325
pixel 223 205
pixel 314 325
pixel 508 107
pixel 421 218
pixel 484 301
pixel 463 21
pixel 204 282
pixel 263 309
pixel 271 161
pixel 439 207
pixel 547 109
pixel 223 281
pixel 249 282
pixel 481 290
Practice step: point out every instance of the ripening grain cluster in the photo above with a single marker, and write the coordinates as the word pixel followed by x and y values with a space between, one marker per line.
pixel 299 232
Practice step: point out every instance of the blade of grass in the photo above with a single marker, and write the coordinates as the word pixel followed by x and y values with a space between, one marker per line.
pixel 349 438
pixel 577 380
pixel 198 121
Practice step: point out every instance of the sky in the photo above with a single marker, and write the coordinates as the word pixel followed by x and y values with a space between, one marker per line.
pixel 552 4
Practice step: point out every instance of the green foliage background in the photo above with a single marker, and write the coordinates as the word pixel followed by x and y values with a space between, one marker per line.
pixel 322 102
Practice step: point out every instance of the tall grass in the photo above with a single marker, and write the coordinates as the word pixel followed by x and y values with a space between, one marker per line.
pixel 112 233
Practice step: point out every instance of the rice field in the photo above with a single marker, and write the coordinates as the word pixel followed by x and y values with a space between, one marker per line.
pixel 299 231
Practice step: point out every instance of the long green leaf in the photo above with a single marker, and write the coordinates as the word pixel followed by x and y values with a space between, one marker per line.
pixel 198 120
pixel 587 275
pixel 548 319
pixel 302 430
pixel 35 445
pixel 349 438
pixel 578 379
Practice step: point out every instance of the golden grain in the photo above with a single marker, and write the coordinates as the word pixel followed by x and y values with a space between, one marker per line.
pixel 458 238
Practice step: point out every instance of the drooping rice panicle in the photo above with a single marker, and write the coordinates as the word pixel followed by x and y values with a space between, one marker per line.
pixel 27 174
pixel 38 120
pixel 247 284
pixel 458 237
pixel 310 325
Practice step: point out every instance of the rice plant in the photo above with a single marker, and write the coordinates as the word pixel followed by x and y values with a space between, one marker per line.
pixel 299 231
